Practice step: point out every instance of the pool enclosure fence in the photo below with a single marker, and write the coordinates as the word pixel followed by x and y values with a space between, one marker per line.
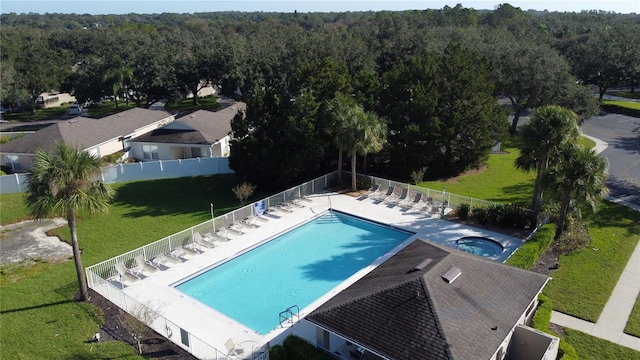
pixel 103 277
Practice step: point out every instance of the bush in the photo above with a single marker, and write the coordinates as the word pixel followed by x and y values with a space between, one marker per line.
pixel 463 211
pixel 541 321
pixel 575 238
pixel 363 183
pixel 480 215
pixel 542 318
pixel 566 351
pixel 508 216
pixel 527 254
pixel 294 348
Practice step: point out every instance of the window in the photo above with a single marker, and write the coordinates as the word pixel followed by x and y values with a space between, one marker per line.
pixel 195 152
pixel 150 152
pixel 13 162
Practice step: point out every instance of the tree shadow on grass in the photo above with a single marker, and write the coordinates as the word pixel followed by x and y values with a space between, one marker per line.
pixel 516 194
pixel 618 216
pixel 186 195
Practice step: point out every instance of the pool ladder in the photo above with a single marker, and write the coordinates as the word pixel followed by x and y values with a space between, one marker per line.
pixel 286 316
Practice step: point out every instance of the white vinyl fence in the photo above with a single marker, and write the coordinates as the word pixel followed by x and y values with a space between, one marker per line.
pixel 149 170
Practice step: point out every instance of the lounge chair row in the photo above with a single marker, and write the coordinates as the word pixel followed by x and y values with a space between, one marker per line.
pixel 418 201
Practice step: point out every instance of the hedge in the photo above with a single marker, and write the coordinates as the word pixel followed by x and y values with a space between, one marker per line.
pixel 541 321
pixel 527 255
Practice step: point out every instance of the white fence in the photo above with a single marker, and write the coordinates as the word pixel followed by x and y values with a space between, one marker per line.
pixel 98 275
pixel 149 170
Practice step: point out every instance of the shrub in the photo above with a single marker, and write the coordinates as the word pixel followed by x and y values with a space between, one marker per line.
pixel 294 348
pixel 542 318
pixel 566 351
pixel 463 211
pixel 508 216
pixel 363 182
pixel 575 238
pixel 243 191
pixel 480 215
pixel 541 321
pixel 527 254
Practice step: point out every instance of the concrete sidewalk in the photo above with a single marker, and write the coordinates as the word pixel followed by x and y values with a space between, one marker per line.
pixel 615 315
pixel 613 319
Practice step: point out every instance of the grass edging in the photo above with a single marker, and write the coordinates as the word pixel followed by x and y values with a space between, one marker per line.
pixel 527 254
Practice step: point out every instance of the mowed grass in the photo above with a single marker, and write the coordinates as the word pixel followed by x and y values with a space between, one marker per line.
pixel 623 104
pixel 499 182
pixel 593 348
pixel 633 326
pixel 39 319
pixel 584 282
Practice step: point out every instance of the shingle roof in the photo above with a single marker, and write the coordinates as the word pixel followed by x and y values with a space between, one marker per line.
pixel 85 132
pixel 200 127
pixel 404 314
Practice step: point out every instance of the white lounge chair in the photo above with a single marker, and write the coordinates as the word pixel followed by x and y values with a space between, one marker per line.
pixel 126 275
pixel 416 202
pixel 395 199
pixel 373 191
pixel 201 241
pixel 145 265
pixel 232 348
pixel 163 260
pixel 389 192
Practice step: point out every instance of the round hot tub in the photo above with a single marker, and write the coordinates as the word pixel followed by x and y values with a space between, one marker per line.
pixel 479 245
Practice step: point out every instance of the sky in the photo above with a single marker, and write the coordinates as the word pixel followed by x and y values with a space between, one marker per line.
pixel 97 7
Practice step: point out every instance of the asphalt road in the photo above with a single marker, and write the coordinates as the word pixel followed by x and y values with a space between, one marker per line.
pixel 622 152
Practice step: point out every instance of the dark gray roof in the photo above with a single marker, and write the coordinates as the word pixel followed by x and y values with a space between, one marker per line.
pixel 404 314
pixel 200 127
pixel 85 132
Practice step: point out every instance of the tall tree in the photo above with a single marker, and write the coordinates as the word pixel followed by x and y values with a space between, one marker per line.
pixel 550 128
pixel 578 176
pixel 120 79
pixel 63 183
pixel 358 132
pixel 529 74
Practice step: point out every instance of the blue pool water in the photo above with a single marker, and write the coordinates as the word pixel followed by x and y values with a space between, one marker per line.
pixel 295 268
pixel 479 245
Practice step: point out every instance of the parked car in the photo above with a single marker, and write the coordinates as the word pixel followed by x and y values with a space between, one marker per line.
pixel 74 109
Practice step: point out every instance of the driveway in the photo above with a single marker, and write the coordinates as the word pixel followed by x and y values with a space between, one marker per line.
pixel 622 152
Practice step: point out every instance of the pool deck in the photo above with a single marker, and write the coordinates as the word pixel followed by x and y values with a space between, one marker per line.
pixel 156 290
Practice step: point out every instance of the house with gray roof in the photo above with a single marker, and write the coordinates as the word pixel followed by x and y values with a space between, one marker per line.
pixel 201 134
pixel 99 137
pixel 433 302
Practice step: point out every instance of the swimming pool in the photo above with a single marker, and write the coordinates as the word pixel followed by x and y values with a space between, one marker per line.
pixel 295 268
pixel 479 245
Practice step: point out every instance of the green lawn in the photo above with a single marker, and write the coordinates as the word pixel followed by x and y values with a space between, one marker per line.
pixel 583 283
pixel 206 103
pixel 593 348
pixel 633 326
pixel 500 182
pixel 38 319
pixel 623 104
pixel 41 114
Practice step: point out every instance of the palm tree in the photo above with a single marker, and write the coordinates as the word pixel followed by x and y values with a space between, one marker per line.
pixel 338 110
pixel 120 78
pixel 63 183
pixel 579 175
pixel 550 127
